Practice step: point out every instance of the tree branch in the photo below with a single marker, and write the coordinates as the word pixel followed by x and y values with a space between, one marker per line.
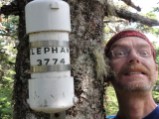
pixel 133 17
pixel 131 4
pixel 14 8
pixel 113 21
pixel 11 9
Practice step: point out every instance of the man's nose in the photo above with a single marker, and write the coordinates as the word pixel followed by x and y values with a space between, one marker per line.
pixel 133 57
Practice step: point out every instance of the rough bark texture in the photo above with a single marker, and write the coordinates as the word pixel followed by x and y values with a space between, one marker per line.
pixel 87 62
pixel 86 38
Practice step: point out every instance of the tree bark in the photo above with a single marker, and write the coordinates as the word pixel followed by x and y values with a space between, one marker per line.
pixel 86 39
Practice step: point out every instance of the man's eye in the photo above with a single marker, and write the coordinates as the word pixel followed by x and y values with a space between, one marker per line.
pixel 119 53
pixel 145 53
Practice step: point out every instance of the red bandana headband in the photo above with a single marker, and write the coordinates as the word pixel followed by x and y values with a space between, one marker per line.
pixel 127 33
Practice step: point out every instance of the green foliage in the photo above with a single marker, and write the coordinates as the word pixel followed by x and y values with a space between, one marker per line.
pixel 157 52
pixel 8 52
pixel 5 103
pixel 151 15
pixel 111 104
pixel 156 88
pixel 156 96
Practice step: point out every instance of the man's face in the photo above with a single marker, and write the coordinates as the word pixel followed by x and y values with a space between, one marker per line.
pixel 133 65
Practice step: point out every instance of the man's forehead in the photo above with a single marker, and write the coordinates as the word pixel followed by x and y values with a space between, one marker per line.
pixel 128 33
pixel 131 41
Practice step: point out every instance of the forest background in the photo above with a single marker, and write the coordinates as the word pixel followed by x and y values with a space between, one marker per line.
pixel 8 52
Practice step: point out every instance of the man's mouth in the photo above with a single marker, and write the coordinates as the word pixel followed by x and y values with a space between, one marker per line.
pixel 135 70
pixel 134 73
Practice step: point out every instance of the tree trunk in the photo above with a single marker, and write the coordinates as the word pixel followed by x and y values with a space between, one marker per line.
pixel 87 62
pixel 86 44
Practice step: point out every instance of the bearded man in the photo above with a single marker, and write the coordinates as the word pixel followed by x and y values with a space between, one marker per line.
pixel 134 71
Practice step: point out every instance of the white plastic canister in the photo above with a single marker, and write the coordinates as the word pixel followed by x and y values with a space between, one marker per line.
pixel 51 87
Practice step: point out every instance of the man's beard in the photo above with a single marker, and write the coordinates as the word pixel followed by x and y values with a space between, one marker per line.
pixel 133 87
